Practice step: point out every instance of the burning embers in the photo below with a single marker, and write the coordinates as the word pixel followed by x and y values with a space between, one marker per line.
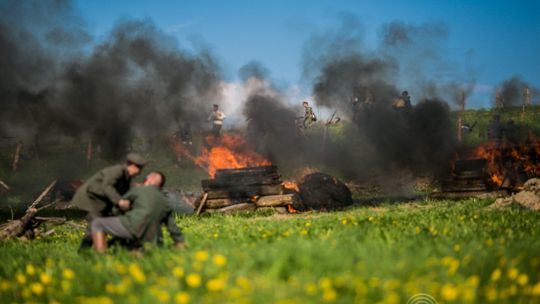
pixel 224 152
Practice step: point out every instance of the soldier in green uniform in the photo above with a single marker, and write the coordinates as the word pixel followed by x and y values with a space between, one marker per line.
pixel 142 223
pixel 309 115
pixel 103 192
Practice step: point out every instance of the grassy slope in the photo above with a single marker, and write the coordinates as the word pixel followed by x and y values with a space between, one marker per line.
pixel 458 252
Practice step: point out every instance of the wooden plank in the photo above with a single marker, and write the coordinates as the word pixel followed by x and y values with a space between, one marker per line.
pixel 247 191
pixel 233 208
pixel 275 200
pixel 223 202
pixel 246 170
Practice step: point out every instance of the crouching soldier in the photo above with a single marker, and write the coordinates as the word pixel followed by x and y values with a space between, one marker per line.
pixel 103 192
pixel 142 223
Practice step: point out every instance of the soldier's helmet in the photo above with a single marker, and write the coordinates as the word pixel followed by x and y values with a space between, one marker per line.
pixel 404 93
pixel 136 159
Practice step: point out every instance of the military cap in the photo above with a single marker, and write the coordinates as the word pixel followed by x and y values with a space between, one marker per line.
pixel 136 159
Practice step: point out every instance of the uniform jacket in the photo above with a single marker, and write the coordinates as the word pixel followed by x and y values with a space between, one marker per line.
pixel 149 209
pixel 103 190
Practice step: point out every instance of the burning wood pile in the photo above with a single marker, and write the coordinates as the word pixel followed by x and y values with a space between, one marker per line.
pixel 244 189
pixel 495 166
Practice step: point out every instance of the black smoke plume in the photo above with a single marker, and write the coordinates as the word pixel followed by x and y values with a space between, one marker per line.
pixel 378 141
pixel 136 81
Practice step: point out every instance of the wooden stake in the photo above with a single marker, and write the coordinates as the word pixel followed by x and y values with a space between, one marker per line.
pixel 89 152
pixel 203 202
pixel 5 186
pixel 17 156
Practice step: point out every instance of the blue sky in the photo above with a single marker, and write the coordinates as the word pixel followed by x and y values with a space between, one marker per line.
pixel 502 36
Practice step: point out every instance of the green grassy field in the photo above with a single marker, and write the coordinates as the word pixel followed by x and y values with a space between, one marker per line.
pixel 458 252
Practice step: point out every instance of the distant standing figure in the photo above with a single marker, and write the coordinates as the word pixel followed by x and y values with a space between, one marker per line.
pixel 309 116
pixel 495 129
pixel 403 103
pixel 216 117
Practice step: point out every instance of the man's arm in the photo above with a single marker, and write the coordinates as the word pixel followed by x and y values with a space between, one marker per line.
pixel 110 177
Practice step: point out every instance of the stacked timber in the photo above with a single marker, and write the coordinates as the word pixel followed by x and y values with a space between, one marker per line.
pixel 244 189
pixel 468 179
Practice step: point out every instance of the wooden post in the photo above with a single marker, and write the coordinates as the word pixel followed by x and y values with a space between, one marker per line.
pixel 499 102
pixel 17 156
pixel 89 152
pixel 526 101
pixel 459 120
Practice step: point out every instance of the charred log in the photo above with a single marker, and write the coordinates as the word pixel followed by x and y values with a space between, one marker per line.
pixel 320 191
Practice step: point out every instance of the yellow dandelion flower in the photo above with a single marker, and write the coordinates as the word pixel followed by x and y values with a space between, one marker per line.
pixel 473 280
pixel 110 288
pixel 304 232
pixel 181 297
pixel 219 260
pixel 120 268
pixel 36 288
pixel 310 288
pixel 308 224
pixel 513 273
pixel 496 275
pixel 5 285
pixel 193 280
pixel 468 295
pixel 21 279
pixel 417 230
pixel 535 291
pixel 457 247
pixel 26 293
pixel 178 272
pixel 45 278
pixel 491 294
pixel 161 295
pixel 49 263
pixel 392 298
pixel 68 274
pixel 30 270
pixel 361 289
pixel 523 279
pixel 449 292
pixel 215 284
pixel 136 273
pixel 344 221
pixel 325 283
pixel 66 285
pixel 512 290
pixel 329 295
pixel 201 255
pixel 243 283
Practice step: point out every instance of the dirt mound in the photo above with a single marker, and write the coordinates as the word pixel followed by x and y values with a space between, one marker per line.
pixel 320 191
pixel 528 198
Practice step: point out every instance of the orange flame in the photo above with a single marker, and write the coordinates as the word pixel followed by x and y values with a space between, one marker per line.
pixel 504 157
pixel 291 209
pixel 224 152
pixel 292 185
